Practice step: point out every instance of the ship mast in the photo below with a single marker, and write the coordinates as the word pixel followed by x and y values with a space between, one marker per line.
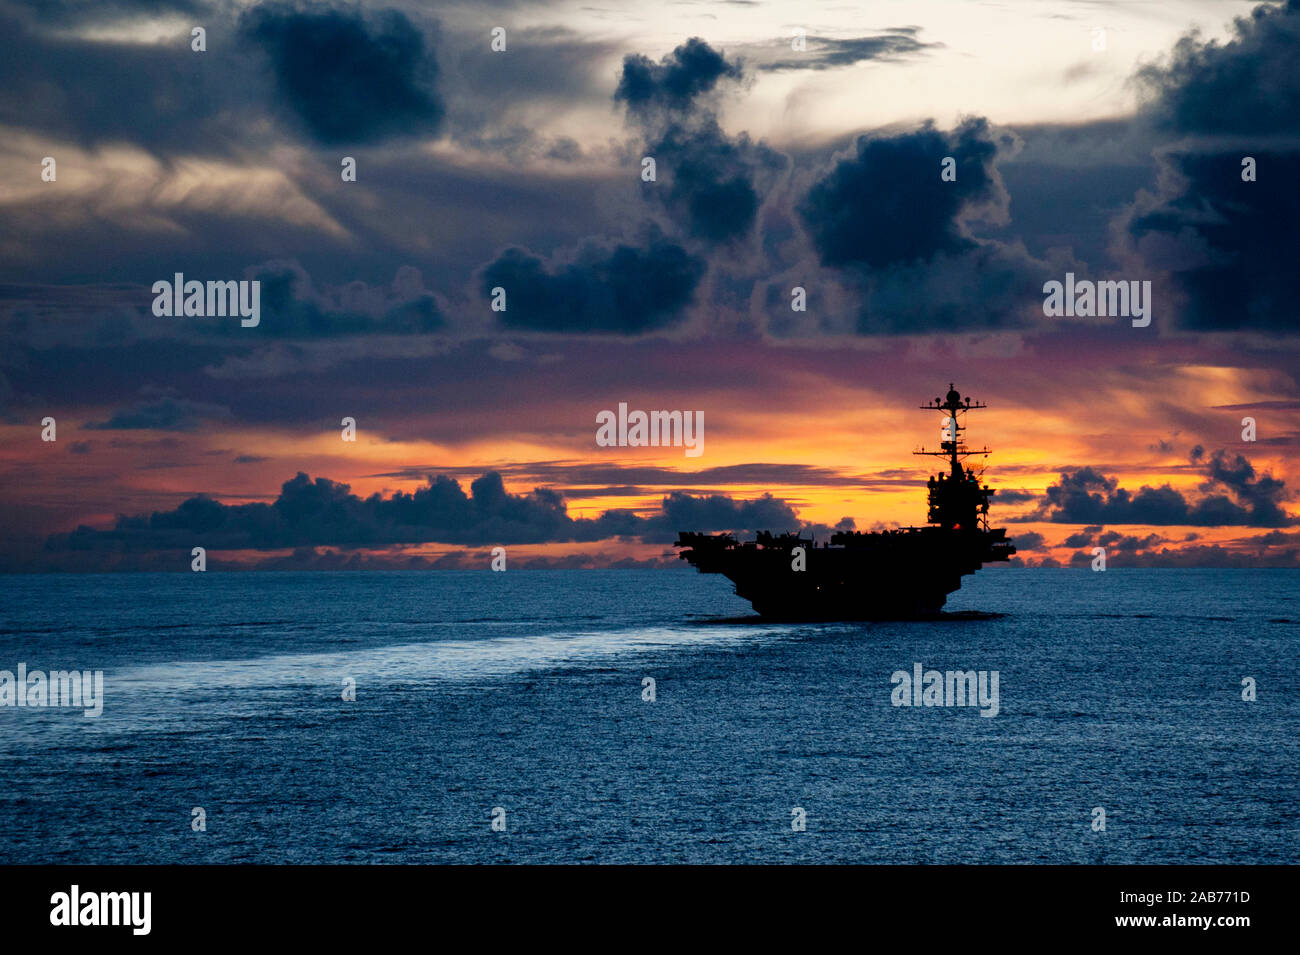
pixel 957 501
pixel 953 447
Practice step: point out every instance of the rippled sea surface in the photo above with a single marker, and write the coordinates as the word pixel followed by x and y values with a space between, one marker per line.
pixel 523 690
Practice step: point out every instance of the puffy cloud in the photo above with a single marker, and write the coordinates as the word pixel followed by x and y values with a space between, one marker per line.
pixel 635 287
pixel 322 512
pixel 293 308
pixel 349 78
pixel 714 179
pixel 718 512
pixel 885 205
pixel 1247 86
pixel 712 183
pixel 1265 550
pixel 1030 540
pixel 625 290
pixel 1259 493
pixel 674 83
pixel 885 225
pixel 1087 496
pixel 1112 540
pixel 1228 246
pixel 1014 496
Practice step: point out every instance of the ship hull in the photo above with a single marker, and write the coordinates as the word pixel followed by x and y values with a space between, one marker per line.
pixel 898 576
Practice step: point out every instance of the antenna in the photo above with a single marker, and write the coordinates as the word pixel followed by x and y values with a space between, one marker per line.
pixel 953 446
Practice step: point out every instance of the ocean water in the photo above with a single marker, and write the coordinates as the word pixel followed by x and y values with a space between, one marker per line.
pixel 523 690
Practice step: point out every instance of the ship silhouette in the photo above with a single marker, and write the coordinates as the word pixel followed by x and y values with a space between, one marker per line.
pixel 882 575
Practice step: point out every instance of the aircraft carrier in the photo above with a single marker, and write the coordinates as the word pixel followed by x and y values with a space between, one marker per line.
pixel 881 575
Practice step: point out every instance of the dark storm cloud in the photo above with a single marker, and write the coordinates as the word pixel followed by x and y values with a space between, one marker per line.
pixel 1087 496
pixel 719 512
pixel 1069 184
pixel 712 183
pixel 885 205
pixel 1097 536
pixel 1082 539
pixel 344 76
pixel 293 308
pixel 824 53
pixel 1274 549
pixel 349 78
pixel 1012 496
pixel 1247 86
pixel 692 69
pixel 632 289
pixel 322 512
pixel 1260 493
pixel 1228 245
pixel 166 414
pixel 325 512
pixel 1215 555
pixel 991 287
pixel 897 236
pixel 713 178
pixel 626 290
pixel 1030 540
pixel 336 72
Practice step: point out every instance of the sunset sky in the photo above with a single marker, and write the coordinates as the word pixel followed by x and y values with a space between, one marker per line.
pixel 1103 139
